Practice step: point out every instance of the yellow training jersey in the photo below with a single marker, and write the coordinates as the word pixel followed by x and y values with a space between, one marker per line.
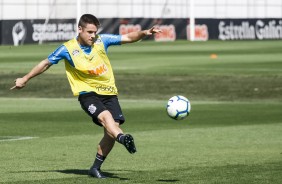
pixel 89 72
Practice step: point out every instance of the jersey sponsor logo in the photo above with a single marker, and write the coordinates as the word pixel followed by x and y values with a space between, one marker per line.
pixel 99 70
pixel 92 109
pixel 101 88
pixel 75 52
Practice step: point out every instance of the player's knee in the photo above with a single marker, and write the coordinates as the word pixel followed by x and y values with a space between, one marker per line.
pixel 105 118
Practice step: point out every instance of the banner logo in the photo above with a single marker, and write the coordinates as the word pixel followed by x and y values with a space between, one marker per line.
pixel 201 32
pixel 53 31
pixel 124 29
pixel 168 33
pixel 244 30
pixel 19 33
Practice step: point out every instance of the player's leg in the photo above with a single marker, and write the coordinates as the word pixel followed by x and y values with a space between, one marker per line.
pixel 105 146
pixel 106 119
pixel 114 114
pixel 113 129
pixel 106 111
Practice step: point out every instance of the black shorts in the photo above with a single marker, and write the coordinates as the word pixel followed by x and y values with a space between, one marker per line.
pixel 93 104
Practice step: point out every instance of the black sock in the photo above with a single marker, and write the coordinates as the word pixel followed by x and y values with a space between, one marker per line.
pixel 98 161
pixel 120 138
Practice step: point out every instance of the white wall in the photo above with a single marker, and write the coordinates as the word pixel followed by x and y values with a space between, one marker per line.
pixel 42 9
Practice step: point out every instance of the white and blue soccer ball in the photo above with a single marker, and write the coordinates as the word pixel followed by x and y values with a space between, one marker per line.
pixel 178 107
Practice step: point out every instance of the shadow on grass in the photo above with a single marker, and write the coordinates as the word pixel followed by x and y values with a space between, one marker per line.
pixel 108 174
pixel 85 172
pixel 73 171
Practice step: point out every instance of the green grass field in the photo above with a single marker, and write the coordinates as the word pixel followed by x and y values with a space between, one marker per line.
pixel 233 134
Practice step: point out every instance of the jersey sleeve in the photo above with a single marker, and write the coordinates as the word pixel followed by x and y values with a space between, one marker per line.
pixel 59 54
pixel 110 39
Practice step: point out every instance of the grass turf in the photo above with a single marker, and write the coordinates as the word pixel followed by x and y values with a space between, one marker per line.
pixel 233 134
pixel 217 147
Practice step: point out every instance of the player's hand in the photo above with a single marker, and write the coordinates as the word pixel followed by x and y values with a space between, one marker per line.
pixel 153 30
pixel 19 83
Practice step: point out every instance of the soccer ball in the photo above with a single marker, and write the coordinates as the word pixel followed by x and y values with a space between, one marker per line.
pixel 178 107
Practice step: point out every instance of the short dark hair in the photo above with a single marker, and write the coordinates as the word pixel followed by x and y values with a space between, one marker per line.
pixel 88 19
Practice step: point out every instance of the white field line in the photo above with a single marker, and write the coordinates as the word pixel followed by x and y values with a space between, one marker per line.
pixel 12 138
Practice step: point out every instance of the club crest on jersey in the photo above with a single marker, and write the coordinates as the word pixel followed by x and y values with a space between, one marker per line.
pixel 75 52
pixel 98 41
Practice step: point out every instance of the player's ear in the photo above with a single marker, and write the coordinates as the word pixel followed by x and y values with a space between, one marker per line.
pixel 79 29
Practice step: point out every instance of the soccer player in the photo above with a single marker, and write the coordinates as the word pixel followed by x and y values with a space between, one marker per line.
pixel 91 78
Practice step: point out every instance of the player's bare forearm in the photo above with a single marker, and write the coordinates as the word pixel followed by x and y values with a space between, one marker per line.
pixel 133 36
pixel 138 35
pixel 38 69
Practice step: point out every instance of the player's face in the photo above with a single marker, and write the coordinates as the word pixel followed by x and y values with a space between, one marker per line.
pixel 87 34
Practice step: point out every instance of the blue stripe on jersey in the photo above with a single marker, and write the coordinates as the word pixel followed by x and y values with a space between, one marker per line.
pixel 110 39
pixel 59 54
pixel 62 52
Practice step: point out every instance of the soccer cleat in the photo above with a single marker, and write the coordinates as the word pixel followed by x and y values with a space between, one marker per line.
pixel 94 172
pixel 129 143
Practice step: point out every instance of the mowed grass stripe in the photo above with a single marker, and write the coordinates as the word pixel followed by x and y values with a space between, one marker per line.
pixel 17 105
pixel 15 138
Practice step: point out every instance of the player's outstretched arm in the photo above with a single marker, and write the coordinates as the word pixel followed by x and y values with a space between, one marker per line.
pixel 38 69
pixel 135 36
